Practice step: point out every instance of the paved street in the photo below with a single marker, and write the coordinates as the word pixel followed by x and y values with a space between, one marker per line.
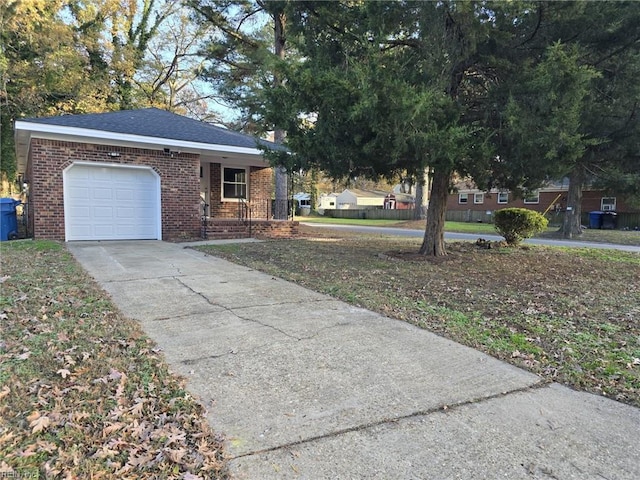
pixel 406 232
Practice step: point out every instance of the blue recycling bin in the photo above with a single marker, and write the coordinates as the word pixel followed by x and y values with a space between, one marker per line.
pixel 8 219
pixel 595 219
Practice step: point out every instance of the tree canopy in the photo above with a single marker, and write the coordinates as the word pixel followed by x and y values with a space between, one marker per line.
pixel 93 56
pixel 506 93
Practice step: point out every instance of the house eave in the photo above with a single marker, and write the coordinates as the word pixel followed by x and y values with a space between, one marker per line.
pixel 25 131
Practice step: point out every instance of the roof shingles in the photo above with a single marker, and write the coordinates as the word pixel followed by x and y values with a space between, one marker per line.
pixel 153 122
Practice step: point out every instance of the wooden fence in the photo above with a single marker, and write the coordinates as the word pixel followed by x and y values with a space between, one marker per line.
pixel 624 221
pixel 370 214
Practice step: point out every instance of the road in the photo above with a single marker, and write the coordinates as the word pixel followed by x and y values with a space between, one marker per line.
pixel 405 232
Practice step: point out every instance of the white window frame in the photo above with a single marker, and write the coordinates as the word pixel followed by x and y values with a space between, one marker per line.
pixel 461 196
pixel 530 201
pixel 611 206
pixel 246 184
pixel 478 198
pixel 502 202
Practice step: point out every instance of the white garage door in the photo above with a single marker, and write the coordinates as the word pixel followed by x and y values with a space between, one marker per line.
pixel 106 202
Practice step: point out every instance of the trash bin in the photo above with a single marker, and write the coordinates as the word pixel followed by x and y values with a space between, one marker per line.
pixel 609 220
pixel 8 219
pixel 595 219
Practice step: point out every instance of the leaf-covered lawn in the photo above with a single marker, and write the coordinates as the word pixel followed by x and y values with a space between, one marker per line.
pixel 569 315
pixel 83 392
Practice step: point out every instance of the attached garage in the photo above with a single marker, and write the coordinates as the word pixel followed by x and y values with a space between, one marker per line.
pixel 133 175
pixel 111 202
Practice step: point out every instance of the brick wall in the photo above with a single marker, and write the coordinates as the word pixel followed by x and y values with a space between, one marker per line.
pixel 179 184
pixel 260 187
pixel 217 229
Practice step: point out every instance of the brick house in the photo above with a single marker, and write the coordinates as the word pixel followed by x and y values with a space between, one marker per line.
pixel 554 196
pixel 480 205
pixel 142 174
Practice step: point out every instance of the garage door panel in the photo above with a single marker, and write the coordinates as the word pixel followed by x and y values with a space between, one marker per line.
pixel 111 203
pixel 80 212
pixel 144 212
pixel 126 212
pixel 78 192
pixel 104 231
pixel 102 193
pixel 102 214
pixel 125 194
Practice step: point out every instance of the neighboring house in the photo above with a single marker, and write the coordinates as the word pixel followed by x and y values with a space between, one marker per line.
pixel 303 199
pixel 136 174
pixel 553 197
pixel 327 201
pixel 399 201
pixel 360 199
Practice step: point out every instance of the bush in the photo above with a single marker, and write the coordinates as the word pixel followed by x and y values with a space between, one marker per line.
pixel 516 224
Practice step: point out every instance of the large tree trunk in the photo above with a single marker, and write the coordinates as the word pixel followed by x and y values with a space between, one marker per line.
pixel 433 243
pixel 423 186
pixel 281 209
pixel 571 224
pixel 417 211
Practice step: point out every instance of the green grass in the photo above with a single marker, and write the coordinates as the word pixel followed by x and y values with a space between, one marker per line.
pixel 463 227
pixel 83 392
pixel 569 315
pixel 349 221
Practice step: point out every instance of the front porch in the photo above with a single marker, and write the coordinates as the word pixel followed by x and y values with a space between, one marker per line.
pixel 236 202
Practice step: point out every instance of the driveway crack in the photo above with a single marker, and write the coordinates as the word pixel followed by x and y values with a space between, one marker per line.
pixel 235 313
pixel 443 408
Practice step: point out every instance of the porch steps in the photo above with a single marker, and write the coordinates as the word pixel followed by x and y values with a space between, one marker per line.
pixel 227 229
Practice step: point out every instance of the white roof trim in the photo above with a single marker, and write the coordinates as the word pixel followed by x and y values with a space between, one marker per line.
pixel 127 137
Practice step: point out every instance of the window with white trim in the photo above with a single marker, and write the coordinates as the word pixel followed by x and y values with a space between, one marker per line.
pixel 503 197
pixel 608 204
pixel 234 183
pixel 532 197
pixel 463 198
pixel 478 198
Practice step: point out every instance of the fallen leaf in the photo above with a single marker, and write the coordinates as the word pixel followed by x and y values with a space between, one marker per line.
pixel 33 416
pixel 137 408
pixel 5 391
pixel 108 430
pixel 24 355
pixel 63 372
pixel 175 455
pixel 39 424
pixel 191 476
pixel 137 461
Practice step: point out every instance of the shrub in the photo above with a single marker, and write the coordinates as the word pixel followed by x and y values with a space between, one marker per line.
pixel 516 224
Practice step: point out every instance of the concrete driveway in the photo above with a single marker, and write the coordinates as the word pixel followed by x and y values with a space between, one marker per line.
pixel 304 386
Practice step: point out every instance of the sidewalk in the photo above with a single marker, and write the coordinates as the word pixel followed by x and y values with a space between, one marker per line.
pixel 304 386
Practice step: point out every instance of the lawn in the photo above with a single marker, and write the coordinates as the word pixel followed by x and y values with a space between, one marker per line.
pixel 569 315
pixel 83 392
